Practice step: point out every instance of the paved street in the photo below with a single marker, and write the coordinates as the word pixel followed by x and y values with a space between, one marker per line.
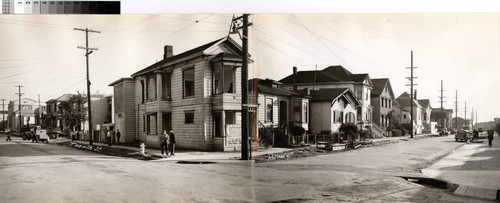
pixel 34 172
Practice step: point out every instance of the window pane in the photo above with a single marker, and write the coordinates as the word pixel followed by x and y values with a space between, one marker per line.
pixel 229 79
pixel 188 76
pixel 269 110
pixel 189 117
pixel 217 79
pixel 166 84
pixel 296 112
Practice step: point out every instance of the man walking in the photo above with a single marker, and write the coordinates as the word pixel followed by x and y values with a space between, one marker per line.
pixel 8 137
pixel 490 137
pixel 172 142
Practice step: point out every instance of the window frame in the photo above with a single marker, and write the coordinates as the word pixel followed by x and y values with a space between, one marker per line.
pixel 184 92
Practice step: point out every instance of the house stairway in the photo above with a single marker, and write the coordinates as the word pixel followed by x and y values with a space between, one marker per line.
pixel 265 140
pixel 377 131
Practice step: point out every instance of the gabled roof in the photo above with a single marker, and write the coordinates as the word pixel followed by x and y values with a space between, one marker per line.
pixel 404 100
pixel 329 74
pixel 331 94
pixel 120 80
pixel 264 87
pixel 195 51
pixel 378 87
pixel 424 103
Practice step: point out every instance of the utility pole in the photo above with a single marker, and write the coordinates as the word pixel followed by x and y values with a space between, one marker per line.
pixel 472 118
pixel 456 109
pixel 3 112
pixel 244 82
pixel 88 51
pixel 441 100
pixel 20 119
pixel 411 93
pixel 465 115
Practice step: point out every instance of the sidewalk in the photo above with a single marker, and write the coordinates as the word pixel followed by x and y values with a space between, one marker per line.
pixel 192 155
pixel 475 167
pixel 186 155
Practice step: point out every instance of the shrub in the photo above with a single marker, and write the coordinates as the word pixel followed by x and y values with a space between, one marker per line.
pixel 363 134
pixel 396 133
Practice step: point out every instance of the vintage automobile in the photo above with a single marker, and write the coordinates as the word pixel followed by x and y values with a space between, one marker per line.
pixel 463 135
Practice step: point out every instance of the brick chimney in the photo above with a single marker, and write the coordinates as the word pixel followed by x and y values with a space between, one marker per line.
pixel 294 70
pixel 168 51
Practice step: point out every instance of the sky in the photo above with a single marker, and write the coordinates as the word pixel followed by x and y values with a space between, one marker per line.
pixel 40 52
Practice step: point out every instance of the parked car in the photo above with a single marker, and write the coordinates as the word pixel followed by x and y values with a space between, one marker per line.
pixel 453 131
pixel 27 135
pixel 463 135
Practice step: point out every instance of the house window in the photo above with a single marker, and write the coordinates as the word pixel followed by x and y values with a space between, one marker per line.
pixel 390 103
pixel 404 116
pixel 304 112
pixel 337 116
pixel 189 117
pixel 143 91
pixel 223 79
pixel 269 110
pixel 188 82
pixel 151 127
pixel 358 112
pixel 166 85
pixel 359 93
pixel 296 112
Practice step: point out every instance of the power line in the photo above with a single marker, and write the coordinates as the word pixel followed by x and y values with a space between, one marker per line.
pixel 319 40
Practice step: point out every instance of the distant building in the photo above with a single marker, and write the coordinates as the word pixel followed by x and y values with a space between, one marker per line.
pixel 447 116
pixel 40 116
pixel 426 116
pixel 27 115
pixel 490 125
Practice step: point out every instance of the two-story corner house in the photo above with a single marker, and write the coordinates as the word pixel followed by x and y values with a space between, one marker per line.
pixel 406 102
pixel 196 93
pixel 27 114
pixel 331 108
pixel 275 106
pixel 336 77
pixel 382 101
pixel 55 112
pixel 426 115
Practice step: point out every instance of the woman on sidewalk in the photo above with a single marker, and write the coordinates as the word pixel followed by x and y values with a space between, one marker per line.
pixel 172 143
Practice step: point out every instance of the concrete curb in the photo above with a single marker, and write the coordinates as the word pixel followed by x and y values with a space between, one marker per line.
pixel 477 192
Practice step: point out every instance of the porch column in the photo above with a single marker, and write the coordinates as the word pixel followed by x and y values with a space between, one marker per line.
pixel 159 86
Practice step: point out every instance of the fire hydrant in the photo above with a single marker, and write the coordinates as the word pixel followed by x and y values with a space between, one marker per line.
pixel 142 146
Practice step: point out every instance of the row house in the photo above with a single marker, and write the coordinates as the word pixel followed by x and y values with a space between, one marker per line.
pixel 382 97
pixel 405 102
pixel 427 125
pixel 275 106
pixel 335 77
pixel 55 112
pixel 331 108
pixel 27 114
pixel 196 93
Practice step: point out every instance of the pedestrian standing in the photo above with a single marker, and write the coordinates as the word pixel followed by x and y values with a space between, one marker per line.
pixel 163 142
pixel 172 142
pixel 490 137
pixel 108 136
pixel 8 137
pixel 118 135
